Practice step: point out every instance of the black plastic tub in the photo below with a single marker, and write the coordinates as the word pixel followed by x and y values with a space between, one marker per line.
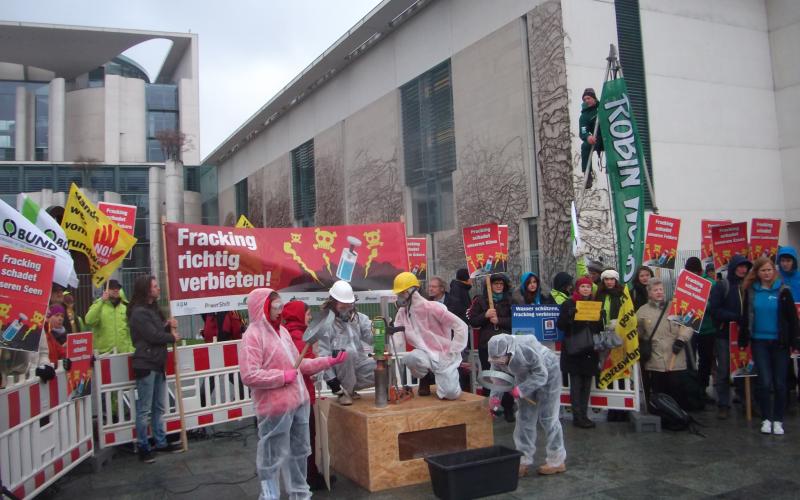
pixel 474 473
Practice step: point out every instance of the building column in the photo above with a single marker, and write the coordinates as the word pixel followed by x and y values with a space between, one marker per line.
pixel 21 125
pixel 173 183
pixel 56 119
pixel 154 191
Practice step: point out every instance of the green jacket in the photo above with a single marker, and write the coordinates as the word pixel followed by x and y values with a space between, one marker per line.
pixel 587 121
pixel 109 326
pixel 559 297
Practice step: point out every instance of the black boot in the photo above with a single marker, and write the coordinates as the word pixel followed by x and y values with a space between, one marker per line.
pixel 425 385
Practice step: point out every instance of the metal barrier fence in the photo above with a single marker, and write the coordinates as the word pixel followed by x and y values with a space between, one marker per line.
pixel 43 434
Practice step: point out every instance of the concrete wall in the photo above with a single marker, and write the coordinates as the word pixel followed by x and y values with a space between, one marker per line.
pixel 85 124
pixel 132 121
pixel 329 162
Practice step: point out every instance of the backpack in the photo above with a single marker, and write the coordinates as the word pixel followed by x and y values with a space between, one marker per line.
pixel 673 417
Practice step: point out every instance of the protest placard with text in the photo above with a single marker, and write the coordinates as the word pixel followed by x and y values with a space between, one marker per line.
pixel 727 241
pixel 79 377
pixel 688 305
pixel 481 245
pixel 707 249
pixel 536 319
pixel 764 234
pixel 123 215
pixel 418 256
pixel 661 241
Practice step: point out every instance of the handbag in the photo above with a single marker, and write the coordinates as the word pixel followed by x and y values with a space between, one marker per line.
pixel 646 345
pixel 579 342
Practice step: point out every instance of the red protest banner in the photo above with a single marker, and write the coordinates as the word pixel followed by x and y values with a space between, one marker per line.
pixel 661 241
pixel 741 359
pixel 727 241
pixel 707 250
pixel 418 256
pixel 481 244
pixel 764 235
pixel 688 305
pixel 502 256
pixel 213 268
pixel 79 352
pixel 123 215
pixel 25 282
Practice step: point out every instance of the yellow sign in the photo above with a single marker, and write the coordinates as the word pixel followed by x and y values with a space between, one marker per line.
pixel 588 310
pixel 244 222
pixel 93 234
pixel 620 361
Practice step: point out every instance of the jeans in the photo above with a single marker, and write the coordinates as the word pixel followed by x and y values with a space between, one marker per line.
pixel 722 379
pixel 772 364
pixel 151 394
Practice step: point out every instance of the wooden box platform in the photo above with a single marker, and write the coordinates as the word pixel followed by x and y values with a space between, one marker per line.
pixel 382 448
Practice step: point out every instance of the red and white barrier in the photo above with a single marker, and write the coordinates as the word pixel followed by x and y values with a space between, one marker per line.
pixel 201 366
pixel 622 394
pixel 43 435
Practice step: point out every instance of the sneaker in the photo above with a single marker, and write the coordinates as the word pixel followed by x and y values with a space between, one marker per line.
pixel 523 470
pixel 176 447
pixel 146 456
pixel 548 470
pixel 424 386
pixel 723 413
pixel 355 395
pixel 766 427
pixel 777 428
pixel 345 400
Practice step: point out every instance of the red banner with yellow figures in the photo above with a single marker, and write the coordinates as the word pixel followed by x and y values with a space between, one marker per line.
pixel 418 256
pixel 79 377
pixel 728 240
pixel 764 234
pixel 661 241
pixel 481 246
pixel 25 282
pixel 707 249
pixel 502 256
pixel 689 302
pixel 213 268
pixel 741 359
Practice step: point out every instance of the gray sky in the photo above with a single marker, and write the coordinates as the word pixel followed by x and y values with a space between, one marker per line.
pixel 249 49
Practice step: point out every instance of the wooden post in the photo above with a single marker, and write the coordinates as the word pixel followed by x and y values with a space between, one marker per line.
pixel 748 406
pixel 178 388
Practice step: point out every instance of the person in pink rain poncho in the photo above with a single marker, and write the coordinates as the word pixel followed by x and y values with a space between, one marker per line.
pixel 280 397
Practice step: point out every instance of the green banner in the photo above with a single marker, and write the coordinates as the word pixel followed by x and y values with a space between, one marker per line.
pixel 625 163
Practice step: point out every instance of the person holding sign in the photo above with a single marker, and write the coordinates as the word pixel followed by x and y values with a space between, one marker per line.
pixel 578 357
pixel 770 324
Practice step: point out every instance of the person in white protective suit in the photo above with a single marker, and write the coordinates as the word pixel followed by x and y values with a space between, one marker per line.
pixel 437 335
pixel 267 362
pixel 537 379
pixel 351 332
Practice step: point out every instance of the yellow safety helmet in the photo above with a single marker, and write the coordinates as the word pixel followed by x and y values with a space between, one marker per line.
pixel 403 282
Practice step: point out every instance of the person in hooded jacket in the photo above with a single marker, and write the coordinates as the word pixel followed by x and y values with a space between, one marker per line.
pixel 280 398
pixel 726 306
pixel 108 319
pixel 586 126
pixel 458 300
pixel 438 337
pixel 530 292
pixel 537 379
pixel 639 286
pixel 493 321
pixel 296 317
pixel 562 288
pixel 787 266
pixel 352 332
pixel 581 367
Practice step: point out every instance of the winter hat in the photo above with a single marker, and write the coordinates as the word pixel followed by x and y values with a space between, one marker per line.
pixel 694 265
pixel 462 274
pixel 114 285
pixel 590 92
pixel 55 309
pixel 609 273
pixel 595 266
pixel 561 281
pixel 581 281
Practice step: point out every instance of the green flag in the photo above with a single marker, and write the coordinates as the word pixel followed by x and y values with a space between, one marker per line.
pixel 625 162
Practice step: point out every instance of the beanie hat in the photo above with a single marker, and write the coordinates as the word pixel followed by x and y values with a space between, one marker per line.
pixel 694 265
pixel 55 309
pixel 595 266
pixel 561 281
pixel 590 92
pixel 609 273
pixel 462 274
pixel 581 281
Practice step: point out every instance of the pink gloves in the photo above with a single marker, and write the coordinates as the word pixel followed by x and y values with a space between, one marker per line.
pixel 289 376
pixel 515 392
pixel 494 404
pixel 338 359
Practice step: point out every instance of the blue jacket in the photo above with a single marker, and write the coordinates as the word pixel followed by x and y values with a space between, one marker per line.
pixel 726 304
pixel 518 297
pixel 792 278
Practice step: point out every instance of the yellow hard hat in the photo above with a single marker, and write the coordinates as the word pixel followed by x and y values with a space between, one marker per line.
pixel 404 281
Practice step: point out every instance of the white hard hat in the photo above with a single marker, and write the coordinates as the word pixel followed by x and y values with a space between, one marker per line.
pixel 342 292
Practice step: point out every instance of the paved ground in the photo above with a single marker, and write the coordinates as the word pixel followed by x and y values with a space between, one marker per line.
pixel 610 462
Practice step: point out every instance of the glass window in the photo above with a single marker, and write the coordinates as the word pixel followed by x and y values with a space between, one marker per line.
pixel 9 182
pixel 161 97
pixel 97 77
pixel 66 176
pixel 160 120
pixel 37 178
pixel 154 151
pixel 102 179
pixel 303 184
pixel 134 180
pixel 241 198
pixel 8 107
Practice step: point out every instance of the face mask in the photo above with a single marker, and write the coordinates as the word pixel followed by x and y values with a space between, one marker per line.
pixel 345 315
pixel 500 361
pixel 275 309
pixel 403 299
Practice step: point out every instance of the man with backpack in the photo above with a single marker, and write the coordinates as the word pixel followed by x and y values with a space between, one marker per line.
pixel 725 306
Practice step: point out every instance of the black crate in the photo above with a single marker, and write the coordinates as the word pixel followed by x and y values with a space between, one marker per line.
pixel 474 473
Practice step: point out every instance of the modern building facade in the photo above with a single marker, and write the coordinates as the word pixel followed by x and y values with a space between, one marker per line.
pixel 73 108
pixel 449 113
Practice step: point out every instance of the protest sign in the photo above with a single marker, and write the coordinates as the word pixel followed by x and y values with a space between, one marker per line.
pixel 418 256
pixel 25 282
pixel 244 222
pixel 95 235
pixel 620 361
pixel 481 244
pixel 536 319
pixel 764 235
pixel 213 268
pixel 727 241
pixel 706 248
pixel 688 305
pixel 502 255
pixel 661 241
pixel 741 359
pixel 79 377
pixel 123 215
pixel 588 310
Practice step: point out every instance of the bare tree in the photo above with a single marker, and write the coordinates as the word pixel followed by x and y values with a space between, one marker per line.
pixel 374 190
pixel 255 198
pixel 277 205
pixel 173 143
pixel 328 187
